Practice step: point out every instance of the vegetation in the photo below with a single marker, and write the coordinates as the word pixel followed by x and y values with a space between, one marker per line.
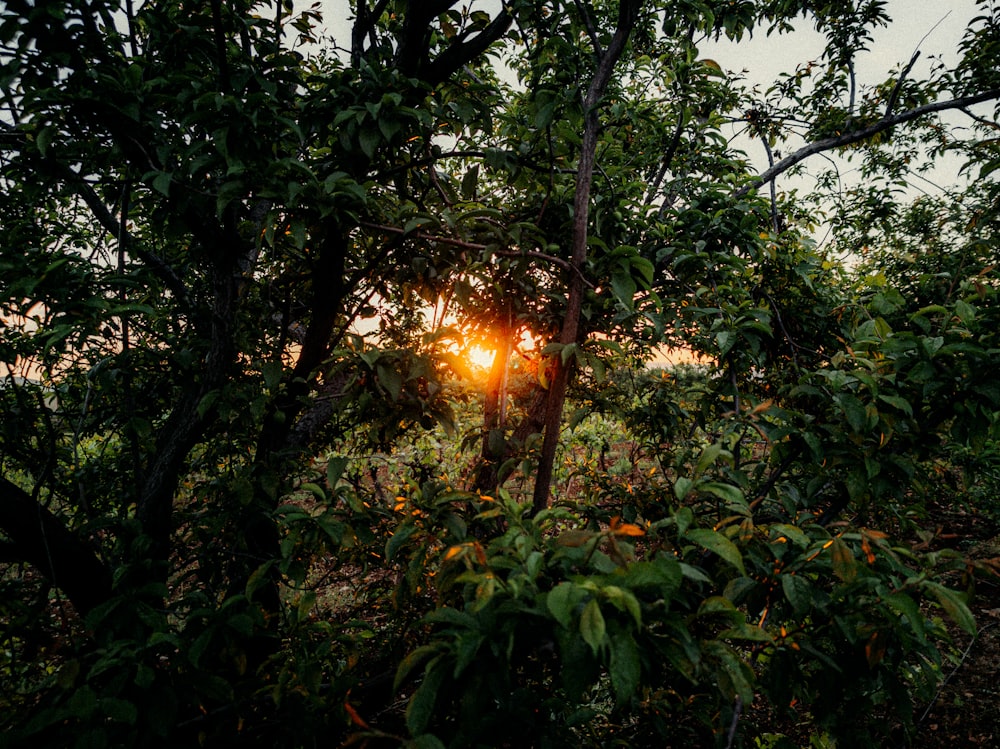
pixel 252 491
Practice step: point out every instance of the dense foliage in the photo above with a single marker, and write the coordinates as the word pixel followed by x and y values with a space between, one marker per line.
pixel 252 492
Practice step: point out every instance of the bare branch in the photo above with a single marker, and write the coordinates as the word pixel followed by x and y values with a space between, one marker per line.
pixel 862 134
pixel 981 120
pixel 899 84
pixel 588 22
pixel 774 197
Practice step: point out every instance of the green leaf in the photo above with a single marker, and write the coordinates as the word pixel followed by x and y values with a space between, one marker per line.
pixel 369 140
pixel 662 576
pixel 390 379
pixel 715 542
pixel 562 601
pixel 853 410
pixel 792 532
pixel 725 340
pixel 733 675
pixel 83 703
pixel 644 267
pixel 454 617
pixel 954 604
pixel 708 457
pixel 623 600
pixel 904 605
pixel 746 631
pixel 398 539
pixel 421 707
pixel 469 183
pixel 684 516
pixel 624 288
pixel 388 126
pixel 335 468
pixel 315 489
pixel 411 661
pixel 120 711
pixel 426 741
pixel 965 311
pixel 271 372
pixel 545 114
pixel 43 139
pixel 625 666
pixel 592 625
pixel 681 487
pixel 896 402
pixel 161 182
pixel 799 593
pixel 726 492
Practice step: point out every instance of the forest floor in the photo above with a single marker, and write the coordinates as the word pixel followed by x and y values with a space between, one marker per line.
pixel 966 712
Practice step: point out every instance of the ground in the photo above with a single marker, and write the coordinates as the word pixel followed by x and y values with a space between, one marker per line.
pixel 965 713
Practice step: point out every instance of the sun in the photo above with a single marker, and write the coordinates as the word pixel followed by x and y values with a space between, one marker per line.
pixel 480 357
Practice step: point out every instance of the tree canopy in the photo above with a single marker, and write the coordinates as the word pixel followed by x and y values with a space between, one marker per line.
pixel 241 268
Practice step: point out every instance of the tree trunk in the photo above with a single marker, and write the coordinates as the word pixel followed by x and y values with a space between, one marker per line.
pixel 628 11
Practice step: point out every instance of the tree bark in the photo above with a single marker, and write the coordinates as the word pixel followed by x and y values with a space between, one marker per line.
pixel 628 12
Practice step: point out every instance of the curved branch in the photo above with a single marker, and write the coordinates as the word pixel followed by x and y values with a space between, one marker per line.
pixel 862 134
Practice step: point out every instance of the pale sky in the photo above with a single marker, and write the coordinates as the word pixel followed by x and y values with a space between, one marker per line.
pixel 943 21
pixel 933 26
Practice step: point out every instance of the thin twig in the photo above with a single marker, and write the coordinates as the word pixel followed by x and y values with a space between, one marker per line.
pixel 557 261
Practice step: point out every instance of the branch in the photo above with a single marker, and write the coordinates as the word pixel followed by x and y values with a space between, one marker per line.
pixel 364 25
pixel 981 120
pixel 856 136
pixel 220 46
pixel 41 539
pixel 588 22
pixel 557 261
pixel 115 228
pixel 899 84
pixel 461 53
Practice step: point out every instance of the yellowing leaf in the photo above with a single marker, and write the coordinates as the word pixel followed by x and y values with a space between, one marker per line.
pixel 844 565
pixel 574 538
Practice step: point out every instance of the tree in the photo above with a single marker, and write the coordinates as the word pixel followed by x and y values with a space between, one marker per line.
pixel 198 217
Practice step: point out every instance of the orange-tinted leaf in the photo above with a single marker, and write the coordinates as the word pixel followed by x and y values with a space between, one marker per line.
pixel 867 549
pixel 629 529
pixel 844 565
pixel 480 553
pixel 356 719
pixel 875 649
